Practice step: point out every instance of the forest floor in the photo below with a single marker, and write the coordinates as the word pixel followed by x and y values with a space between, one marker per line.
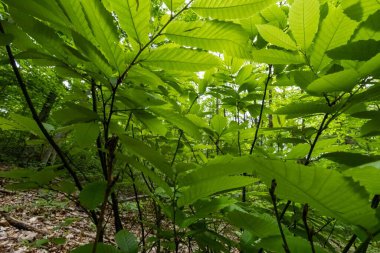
pixel 59 225
pixel 55 224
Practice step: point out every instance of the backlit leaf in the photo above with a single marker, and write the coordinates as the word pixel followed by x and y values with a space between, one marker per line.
pixel 229 9
pixel 275 56
pixel 335 31
pixel 207 187
pixel 133 16
pixel 340 81
pixel 181 59
pixel 276 36
pixel 226 37
pixel 303 21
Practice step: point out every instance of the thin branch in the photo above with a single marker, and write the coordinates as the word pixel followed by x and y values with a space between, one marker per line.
pixel 330 234
pixel 284 210
pixel 325 225
pixel 181 133
pixel 216 144
pixel 319 132
pixel 140 213
pixel 177 148
pixel 350 243
pixel 274 201
pixel 309 231
pixel 261 109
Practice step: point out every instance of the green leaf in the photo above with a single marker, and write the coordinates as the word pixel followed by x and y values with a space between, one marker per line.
pixel 260 225
pixel 65 186
pixel 73 113
pixel 100 248
pixel 276 36
pixel 371 67
pixel 296 244
pixel 105 33
pixel 226 37
pixel 151 122
pixel 74 11
pixel 220 166
pixel 181 59
pixel 46 37
pixel 229 9
pixel 20 39
pixel 274 56
pixel 92 194
pixel 336 29
pixel 361 50
pixel 324 189
pixel 126 241
pixel 303 21
pixel 218 123
pixel 179 121
pixel 370 29
pixel 138 148
pixel 133 17
pixel 367 176
pixel 17 173
pixel 139 75
pixel 205 207
pixel 371 128
pixel 98 60
pixel 340 81
pixel 360 9
pixel 156 178
pixel 43 9
pixel 85 134
pixel 307 108
pixel 205 188
pixel 58 240
pixel 6 39
pixel 174 4
pixel 275 15
pixel 350 159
